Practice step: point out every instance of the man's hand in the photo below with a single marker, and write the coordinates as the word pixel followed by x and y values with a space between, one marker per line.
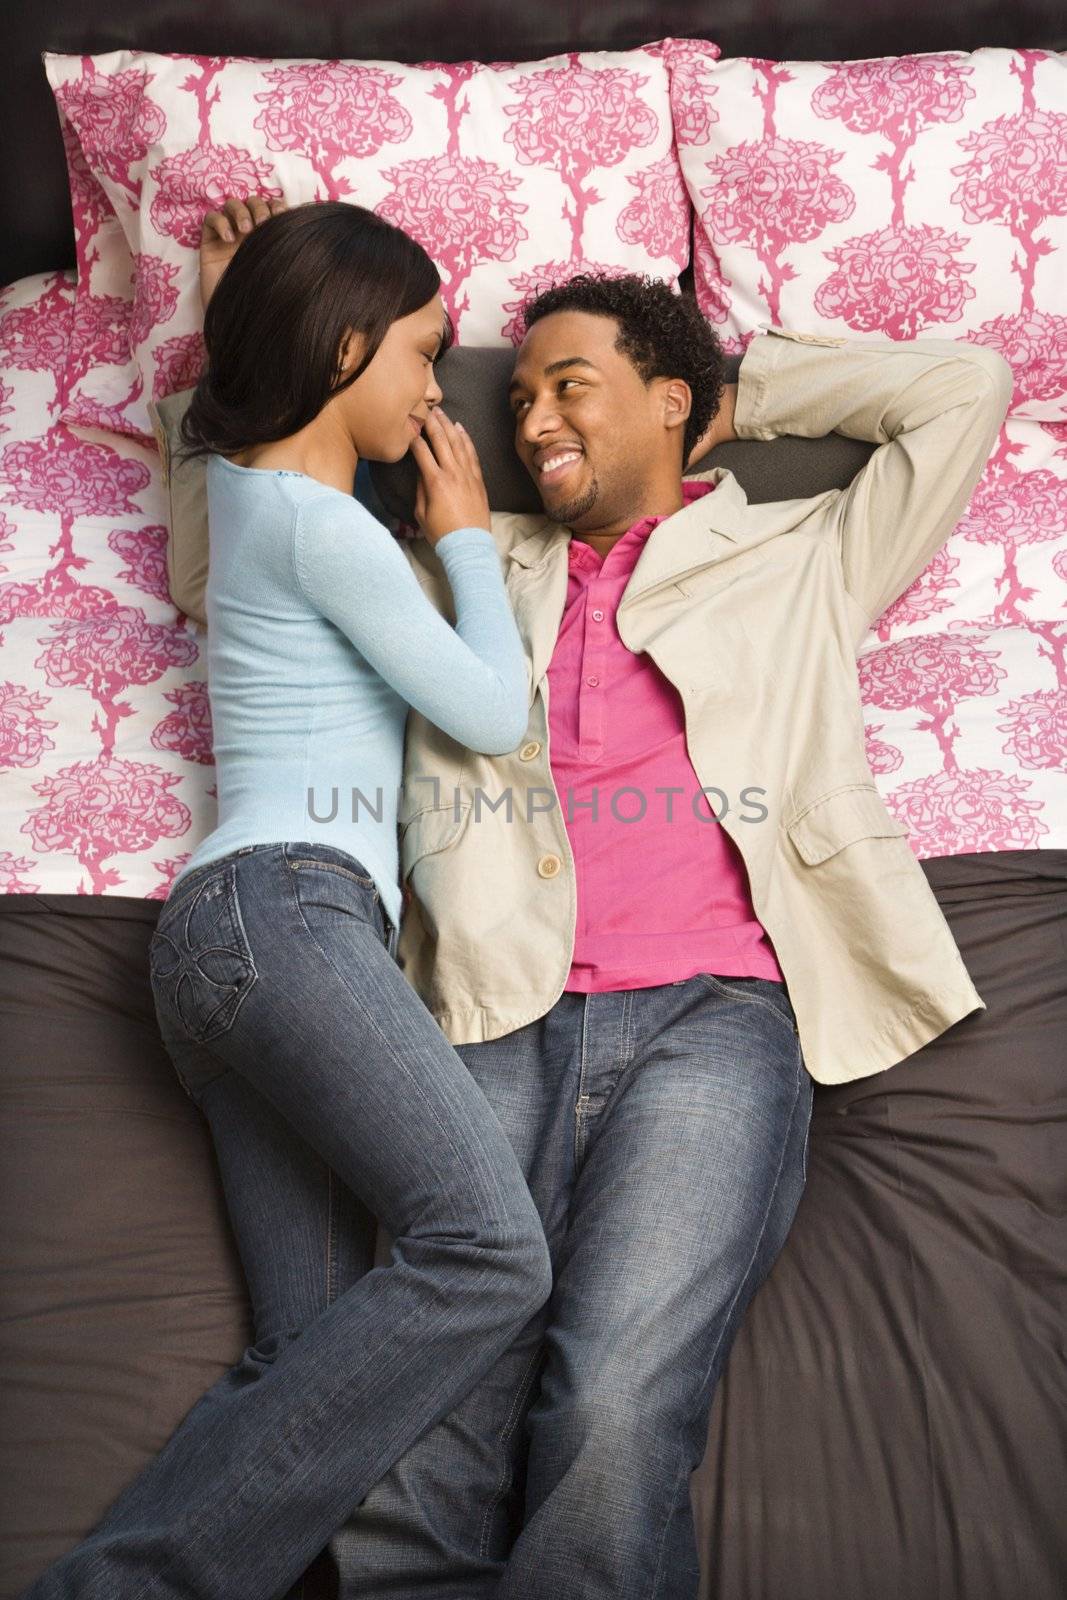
pixel 720 429
pixel 222 232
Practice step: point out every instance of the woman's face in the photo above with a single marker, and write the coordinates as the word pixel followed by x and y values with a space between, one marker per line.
pixel 386 406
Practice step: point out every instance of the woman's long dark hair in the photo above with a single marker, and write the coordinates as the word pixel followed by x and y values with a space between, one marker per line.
pixel 275 325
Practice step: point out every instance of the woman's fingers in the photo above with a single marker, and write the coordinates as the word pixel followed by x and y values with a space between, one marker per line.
pixel 258 209
pixel 239 214
pixel 453 446
pixel 450 477
pixel 425 459
pixel 216 225
pixel 440 431
pixel 236 217
pixel 471 453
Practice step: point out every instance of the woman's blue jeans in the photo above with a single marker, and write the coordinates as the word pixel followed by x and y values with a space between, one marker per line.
pixel 293 1029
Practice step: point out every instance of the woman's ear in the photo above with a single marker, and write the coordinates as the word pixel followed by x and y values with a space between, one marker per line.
pixel 349 354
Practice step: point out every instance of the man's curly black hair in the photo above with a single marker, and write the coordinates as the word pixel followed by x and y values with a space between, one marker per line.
pixel 664 334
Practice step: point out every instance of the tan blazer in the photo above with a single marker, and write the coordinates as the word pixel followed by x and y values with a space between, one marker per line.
pixel 754 614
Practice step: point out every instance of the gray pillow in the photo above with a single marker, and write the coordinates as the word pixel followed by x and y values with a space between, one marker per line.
pixel 475 382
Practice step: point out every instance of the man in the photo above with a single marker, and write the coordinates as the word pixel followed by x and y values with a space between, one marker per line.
pixel 678 903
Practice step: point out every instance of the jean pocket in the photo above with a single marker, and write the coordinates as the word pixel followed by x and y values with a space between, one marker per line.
pixel 200 962
pixel 336 902
pixel 755 991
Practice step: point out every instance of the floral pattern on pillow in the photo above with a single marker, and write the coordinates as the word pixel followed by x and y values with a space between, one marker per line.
pixel 105 722
pixel 105 727
pixel 963 678
pixel 509 174
pixel 890 197
pixel 101 380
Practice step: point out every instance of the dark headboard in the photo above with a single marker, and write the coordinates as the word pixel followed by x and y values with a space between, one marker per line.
pixel 35 226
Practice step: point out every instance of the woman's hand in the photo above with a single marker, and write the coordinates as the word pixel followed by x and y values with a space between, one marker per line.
pixel 451 493
pixel 222 232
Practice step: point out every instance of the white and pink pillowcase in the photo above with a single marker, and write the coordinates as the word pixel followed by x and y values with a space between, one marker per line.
pixel 963 678
pixel 512 175
pixel 101 381
pixel 106 770
pixel 892 197
pixel 106 763
pixel 896 198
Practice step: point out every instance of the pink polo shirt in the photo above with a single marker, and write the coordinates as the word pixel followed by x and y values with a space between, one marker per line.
pixel 658 899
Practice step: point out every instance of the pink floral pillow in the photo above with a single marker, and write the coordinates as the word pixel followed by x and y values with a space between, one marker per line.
pixel 512 175
pixel 892 197
pixel 100 379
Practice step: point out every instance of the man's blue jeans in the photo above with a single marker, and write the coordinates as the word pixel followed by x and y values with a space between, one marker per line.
pixel 321 1074
pixel 664 1136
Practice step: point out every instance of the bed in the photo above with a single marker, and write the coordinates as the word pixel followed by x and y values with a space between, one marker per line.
pixel 893 1418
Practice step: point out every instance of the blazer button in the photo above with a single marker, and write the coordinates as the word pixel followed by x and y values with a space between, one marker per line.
pixel 548 866
pixel 530 750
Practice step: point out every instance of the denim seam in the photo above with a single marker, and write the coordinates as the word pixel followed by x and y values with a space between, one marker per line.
pixel 683 1470
pixel 209 870
pixel 376 905
pixel 626 1054
pixel 243 954
pixel 388 1048
pixel 747 999
pixel 331 866
pixel 175 906
pixel 331 1238
pixel 246 951
pixel 629 1040
pixel 204 1035
pixel 581 1096
pixel 524 1387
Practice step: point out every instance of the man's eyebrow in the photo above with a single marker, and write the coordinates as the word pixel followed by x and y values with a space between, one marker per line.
pixel 557 366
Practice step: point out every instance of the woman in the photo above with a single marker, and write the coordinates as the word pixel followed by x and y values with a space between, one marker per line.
pixel 278 996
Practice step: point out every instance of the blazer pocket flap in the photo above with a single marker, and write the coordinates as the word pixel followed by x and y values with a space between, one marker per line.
pixel 429 831
pixel 839 819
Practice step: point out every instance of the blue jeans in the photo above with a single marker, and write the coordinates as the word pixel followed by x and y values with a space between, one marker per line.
pixel 664 1136
pixel 291 1026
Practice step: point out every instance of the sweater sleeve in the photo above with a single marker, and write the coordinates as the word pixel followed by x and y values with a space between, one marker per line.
pixel 469 680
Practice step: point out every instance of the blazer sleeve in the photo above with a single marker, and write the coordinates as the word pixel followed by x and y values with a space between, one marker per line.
pixel 934 406
pixel 185 487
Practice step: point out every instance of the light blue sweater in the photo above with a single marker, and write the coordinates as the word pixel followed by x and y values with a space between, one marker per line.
pixel 319 639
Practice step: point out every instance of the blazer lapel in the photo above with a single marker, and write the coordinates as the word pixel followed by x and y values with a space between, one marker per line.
pixel 536 583
pixel 687 541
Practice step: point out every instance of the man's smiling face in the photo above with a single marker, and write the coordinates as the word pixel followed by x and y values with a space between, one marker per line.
pixel 588 429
